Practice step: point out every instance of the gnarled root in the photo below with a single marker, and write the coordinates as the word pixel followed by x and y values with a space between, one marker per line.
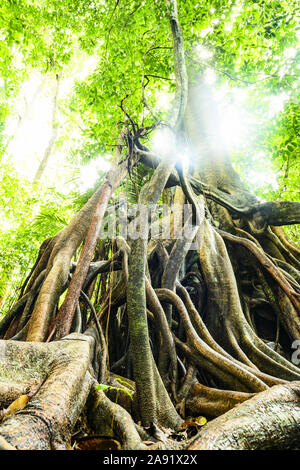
pixel 62 368
pixel 209 401
pixel 110 419
pixel 269 420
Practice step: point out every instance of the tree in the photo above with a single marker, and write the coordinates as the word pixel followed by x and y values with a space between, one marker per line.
pixel 184 330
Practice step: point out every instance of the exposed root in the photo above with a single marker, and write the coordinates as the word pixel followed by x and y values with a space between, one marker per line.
pixel 110 419
pixel 269 420
pixel 50 415
pixel 212 402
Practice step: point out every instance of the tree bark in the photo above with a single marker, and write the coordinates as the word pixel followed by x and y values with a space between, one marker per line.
pixel 268 421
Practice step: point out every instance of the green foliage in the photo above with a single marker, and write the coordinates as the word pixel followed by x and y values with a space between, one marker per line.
pixel 29 215
pixel 281 143
pixel 281 146
pixel 249 45
pixel 247 41
pixel 117 389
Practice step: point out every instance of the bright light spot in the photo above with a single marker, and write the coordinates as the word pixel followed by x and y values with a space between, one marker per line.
pixel 6 225
pixel 206 31
pixel 290 53
pixel 282 72
pixel 164 142
pixel 240 94
pixel 263 174
pixel 210 76
pixel 235 122
pixel 166 145
pixel 29 129
pixel 228 27
pixel 163 98
pixel 84 68
pixel 163 102
pixel 30 132
pixel 237 8
pixel 91 172
pixel 277 103
pixel 203 53
pixel 233 125
pixel 184 156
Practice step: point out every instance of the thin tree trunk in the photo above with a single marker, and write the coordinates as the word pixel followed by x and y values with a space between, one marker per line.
pixel 54 130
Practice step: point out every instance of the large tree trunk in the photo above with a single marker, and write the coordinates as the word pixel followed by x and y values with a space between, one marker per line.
pixel 197 331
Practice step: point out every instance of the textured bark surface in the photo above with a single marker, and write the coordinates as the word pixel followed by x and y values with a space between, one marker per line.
pixel 212 402
pixel 48 418
pixel 269 420
pixel 110 419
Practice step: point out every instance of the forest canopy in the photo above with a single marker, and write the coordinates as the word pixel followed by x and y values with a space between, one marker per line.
pixel 247 50
pixel 160 103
